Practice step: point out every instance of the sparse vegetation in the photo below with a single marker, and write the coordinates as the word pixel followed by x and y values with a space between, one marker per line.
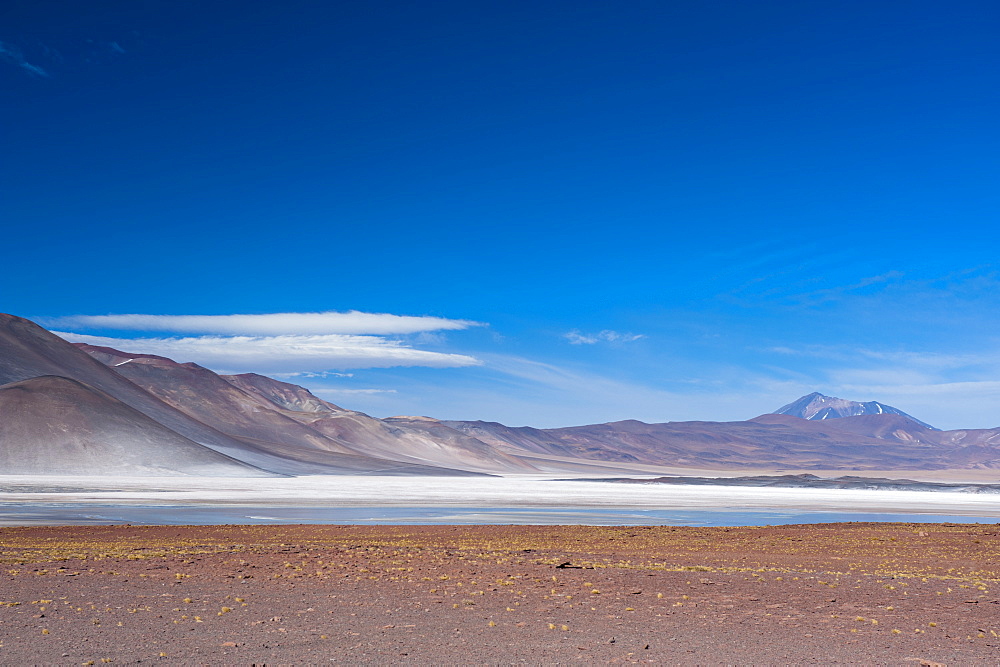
pixel 482 574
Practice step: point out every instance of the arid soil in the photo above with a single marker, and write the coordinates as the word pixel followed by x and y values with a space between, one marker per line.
pixel 835 593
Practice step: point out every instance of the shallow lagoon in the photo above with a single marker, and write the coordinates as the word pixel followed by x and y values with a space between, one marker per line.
pixel 25 515
pixel 428 500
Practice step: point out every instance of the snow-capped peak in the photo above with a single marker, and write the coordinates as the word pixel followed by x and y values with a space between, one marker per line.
pixel 816 406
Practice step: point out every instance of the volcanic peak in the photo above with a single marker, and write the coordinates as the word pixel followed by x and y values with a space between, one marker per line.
pixel 816 406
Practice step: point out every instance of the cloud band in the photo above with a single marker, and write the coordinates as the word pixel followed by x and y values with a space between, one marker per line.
pixel 290 353
pixel 271 324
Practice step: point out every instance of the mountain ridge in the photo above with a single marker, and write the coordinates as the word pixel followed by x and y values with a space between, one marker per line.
pixel 28 351
pixel 281 428
pixel 251 406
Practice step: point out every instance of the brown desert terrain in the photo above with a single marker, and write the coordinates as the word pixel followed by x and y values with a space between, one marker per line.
pixel 830 593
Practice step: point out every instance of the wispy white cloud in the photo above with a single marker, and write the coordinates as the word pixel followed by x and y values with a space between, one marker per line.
pixel 311 374
pixel 906 365
pixel 270 324
pixel 802 292
pixel 910 358
pixel 820 296
pixel 14 55
pixel 989 388
pixel 575 337
pixel 429 338
pixel 282 354
pixel 333 391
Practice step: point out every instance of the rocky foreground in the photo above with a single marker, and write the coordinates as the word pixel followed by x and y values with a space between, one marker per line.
pixel 847 593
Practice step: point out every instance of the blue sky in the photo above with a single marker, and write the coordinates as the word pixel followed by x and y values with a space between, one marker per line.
pixel 553 213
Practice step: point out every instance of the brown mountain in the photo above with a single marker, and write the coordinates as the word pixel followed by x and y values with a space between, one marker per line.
pixel 443 443
pixel 207 397
pixel 54 425
pixel 396 438
pixel 521 440
pixel 283 394
pixel 28 351
pixel 262 410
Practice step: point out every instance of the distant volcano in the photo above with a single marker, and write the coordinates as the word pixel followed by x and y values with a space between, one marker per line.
pixel 816 406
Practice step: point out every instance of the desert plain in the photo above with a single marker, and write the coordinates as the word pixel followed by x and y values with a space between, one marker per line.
pixel 886 593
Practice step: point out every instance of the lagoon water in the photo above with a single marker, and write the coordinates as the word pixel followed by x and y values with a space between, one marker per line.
pixel 26 500
pixel 28 515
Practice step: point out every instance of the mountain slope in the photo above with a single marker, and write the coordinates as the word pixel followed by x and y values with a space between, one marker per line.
pixel 405 439
pixel 283 394
pixel 816 406
pixel 545 442
pixel 433 440
pixel 28 351
pixel 55 425
pixel 277 414
pixel 212 400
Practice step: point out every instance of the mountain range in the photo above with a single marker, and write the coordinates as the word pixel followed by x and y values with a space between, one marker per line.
pixel 77 408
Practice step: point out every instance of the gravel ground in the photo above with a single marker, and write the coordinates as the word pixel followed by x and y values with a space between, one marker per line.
pixel 904 594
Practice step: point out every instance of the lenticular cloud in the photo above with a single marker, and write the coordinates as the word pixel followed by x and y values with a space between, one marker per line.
pixel 289 353
pixel 271 324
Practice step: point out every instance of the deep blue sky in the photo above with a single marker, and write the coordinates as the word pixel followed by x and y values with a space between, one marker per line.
pixel 752 199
